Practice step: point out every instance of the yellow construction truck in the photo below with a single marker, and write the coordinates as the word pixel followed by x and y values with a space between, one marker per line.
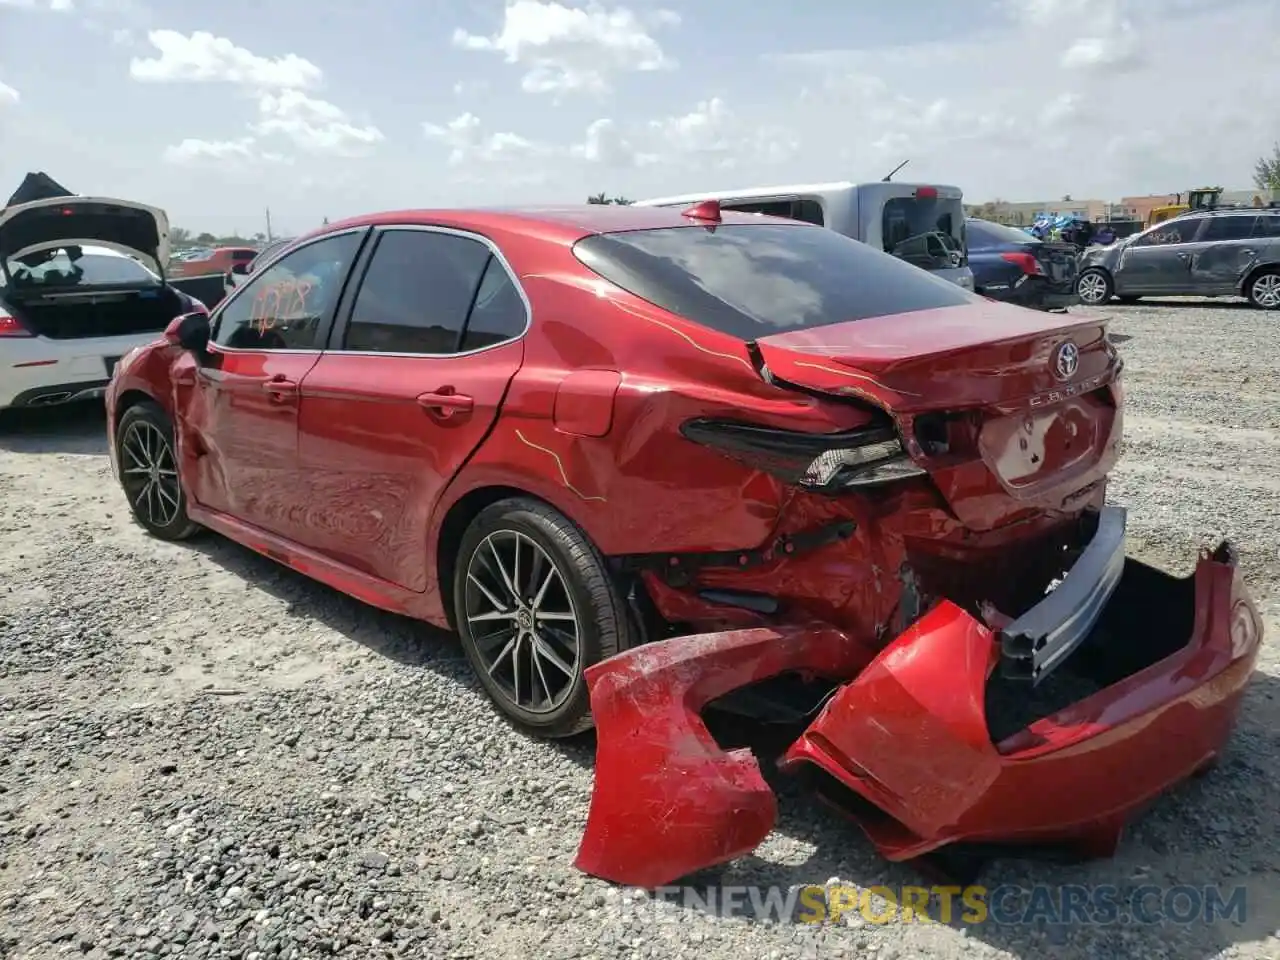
pixel 1202 198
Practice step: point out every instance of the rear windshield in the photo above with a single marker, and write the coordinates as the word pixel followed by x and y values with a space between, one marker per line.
pixel 928 232
pixel 753 280
pixel 73 267
pixel 983 235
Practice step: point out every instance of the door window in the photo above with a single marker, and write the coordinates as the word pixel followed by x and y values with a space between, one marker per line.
pixel 417 292
pixel 1268 226
pixel 499 313
pixel 1181 230
pixel 284 307
pixel 1228 228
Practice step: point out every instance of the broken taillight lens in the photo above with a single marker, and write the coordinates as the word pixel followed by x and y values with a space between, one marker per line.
pixel 822 462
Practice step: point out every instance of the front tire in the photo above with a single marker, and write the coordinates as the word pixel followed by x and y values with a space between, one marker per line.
pixel 1264 290
pixel 149 472
pixel 1094 288
pixel 535 606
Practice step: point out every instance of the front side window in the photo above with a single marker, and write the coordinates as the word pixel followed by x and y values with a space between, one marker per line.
pixel 753 280
pixel 284 306
pixel 1180 230
pixel 416 293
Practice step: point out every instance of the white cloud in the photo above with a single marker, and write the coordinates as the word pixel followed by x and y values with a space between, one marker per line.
pixel 1087 97
pixel 204 58
pixel 279 85
pixel 315 126
pixel 56 6
pixel 246 152
pixel 606 144
pixel 468 143
pixel 8 96
pixel 194 151
pixel 569 49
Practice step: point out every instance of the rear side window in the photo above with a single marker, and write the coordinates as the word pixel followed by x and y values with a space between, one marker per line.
pixel 499 313
pixel 984 235
pixel 416 293
pixel 1268 226
pixel 753 280
pixel 1228 228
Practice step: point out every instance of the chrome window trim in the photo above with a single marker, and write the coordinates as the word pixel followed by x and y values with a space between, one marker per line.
pixel 216 317
pixel 384 228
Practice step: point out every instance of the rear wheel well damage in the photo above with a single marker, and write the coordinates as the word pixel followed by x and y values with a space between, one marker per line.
pixel 1255 273
pixel 132 398
pixel 469 506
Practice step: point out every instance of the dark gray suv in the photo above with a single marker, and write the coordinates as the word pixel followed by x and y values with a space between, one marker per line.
pixel 1232 252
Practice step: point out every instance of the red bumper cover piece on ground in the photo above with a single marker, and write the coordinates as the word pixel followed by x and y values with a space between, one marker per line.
pixel 667 799
pixel 910 734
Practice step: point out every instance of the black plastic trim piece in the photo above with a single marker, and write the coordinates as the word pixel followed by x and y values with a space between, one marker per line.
pixel 678 569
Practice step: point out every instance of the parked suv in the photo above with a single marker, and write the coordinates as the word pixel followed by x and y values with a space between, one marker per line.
pixel 1214 253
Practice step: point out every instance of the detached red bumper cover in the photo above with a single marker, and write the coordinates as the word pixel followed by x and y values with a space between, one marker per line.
pixel 1168 660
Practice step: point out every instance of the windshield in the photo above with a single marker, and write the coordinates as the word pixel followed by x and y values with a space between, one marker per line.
pixel 983 234
pixel 753 280
pixel 78 267
pixel 928 232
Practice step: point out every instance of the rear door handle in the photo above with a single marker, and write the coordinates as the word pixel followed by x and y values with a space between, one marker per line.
pixel 445 402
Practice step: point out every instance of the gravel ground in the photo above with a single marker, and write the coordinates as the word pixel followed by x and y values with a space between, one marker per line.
pixel 203 754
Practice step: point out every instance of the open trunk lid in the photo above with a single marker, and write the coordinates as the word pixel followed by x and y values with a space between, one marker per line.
pixel 58 221
pixel 1007 409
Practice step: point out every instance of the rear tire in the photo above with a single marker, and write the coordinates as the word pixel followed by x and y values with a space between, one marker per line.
pixel 1264 289
pixel 149 472
pixel 535 606
pixel 1094 288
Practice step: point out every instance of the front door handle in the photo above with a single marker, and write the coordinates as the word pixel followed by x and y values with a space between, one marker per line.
pixel 278 387
pixel 444 402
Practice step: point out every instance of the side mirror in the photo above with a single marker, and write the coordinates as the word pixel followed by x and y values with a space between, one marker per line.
pixel 190 331
pixel 240 269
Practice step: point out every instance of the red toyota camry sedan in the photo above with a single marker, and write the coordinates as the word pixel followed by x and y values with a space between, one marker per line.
pixel 642 460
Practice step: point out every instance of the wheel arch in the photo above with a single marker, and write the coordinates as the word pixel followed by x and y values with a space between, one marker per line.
pixel 133 397
pixel 454 524
pixel 1271 266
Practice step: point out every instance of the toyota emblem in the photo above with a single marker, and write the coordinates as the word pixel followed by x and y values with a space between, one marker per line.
pixel 1065 360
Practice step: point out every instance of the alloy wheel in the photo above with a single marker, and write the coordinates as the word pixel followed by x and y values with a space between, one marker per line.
pixel 1266 291
pixel 523 622
pixel 150 473
pixel 1092 288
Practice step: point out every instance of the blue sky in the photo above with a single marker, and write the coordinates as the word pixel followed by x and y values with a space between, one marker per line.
pixel 216 110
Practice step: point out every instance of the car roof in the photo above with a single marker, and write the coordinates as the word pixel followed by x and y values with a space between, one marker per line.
pixel 566 223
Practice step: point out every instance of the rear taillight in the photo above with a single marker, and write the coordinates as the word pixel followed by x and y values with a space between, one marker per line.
pixel 821 462
pixel 1026 262
pixel 10 327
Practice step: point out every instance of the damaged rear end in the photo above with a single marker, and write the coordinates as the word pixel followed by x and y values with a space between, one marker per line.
pixel 990 666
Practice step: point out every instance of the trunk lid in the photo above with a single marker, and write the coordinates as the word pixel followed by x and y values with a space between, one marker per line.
pixel 58 221
pixel 1009 410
